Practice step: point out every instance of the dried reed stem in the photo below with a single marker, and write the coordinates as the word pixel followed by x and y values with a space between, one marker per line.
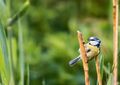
pixel 84 58
pixel 98 70
pixel 115 40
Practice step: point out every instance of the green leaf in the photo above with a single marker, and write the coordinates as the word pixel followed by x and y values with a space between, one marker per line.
pixel 21 52
pixel 110 79
pixel 101 65
pixel 4 58
pixel 18 14
pixel 2 8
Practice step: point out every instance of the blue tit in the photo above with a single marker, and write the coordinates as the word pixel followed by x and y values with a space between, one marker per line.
pixel 92 49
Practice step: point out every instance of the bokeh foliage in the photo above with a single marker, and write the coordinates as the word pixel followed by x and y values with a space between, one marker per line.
pixel 50 39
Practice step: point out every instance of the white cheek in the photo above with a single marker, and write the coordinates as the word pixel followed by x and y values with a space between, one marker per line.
pixel 93 42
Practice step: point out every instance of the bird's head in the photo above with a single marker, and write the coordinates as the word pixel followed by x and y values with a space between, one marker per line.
pixel 94 41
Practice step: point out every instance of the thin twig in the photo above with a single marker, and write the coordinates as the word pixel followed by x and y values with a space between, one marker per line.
pixel 98 70
pixel 115 40
pixel 84 58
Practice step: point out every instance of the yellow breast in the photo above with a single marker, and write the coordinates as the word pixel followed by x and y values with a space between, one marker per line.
pixel 94 51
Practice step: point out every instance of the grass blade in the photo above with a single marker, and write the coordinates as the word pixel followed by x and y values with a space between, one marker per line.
pixel 21 52
pixel 20 13
pixel 10 48
pixel 4 57
pixel 110 78
pixel 2 8
pixel 101 58
pixel 28 75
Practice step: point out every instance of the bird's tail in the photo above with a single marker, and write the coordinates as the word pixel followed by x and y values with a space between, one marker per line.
pixel 74 61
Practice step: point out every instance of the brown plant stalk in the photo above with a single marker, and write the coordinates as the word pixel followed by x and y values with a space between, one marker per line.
pixel 84 58
pixel 98 70
pixel 115 41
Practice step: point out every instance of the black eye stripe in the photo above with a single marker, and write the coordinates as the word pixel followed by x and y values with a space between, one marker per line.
pixel 92 40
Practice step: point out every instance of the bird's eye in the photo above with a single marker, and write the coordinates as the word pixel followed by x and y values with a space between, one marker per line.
pixel 89 43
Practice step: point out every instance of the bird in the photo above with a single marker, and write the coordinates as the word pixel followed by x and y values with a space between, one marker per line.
pixel 92 49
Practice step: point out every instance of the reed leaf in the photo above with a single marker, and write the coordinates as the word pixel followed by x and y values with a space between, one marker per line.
pixel 28 75
pixel 110 79
pixel 20 13
pixel 2 8
pixel 101 58
pixel 4 57
pixel 21 52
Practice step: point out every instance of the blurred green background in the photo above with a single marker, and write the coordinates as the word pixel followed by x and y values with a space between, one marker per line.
pixel 50 41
